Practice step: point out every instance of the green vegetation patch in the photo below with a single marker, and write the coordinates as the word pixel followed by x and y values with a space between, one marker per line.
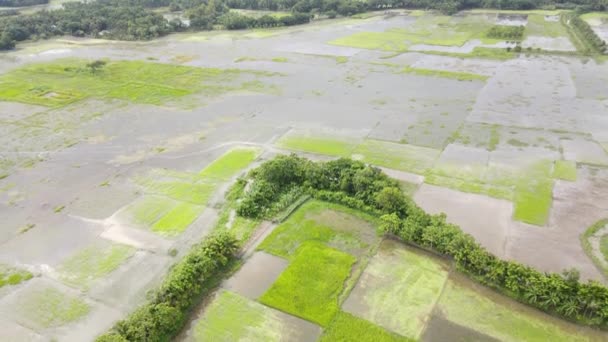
pixel 534 194
pixel 604 246
pixel 148 209
pixel 13 276
pixel 403 157
pixel 48 307
pixel 66 81
pixel 178 219
pixel 506 321
pixel 310 286
pixel 230 164
pixel 191 192
pixel 398 289
pixel 94 262
pixel 471 186
pixel 321 145
pixel 230 317
pixel 479 52
pixel 346 327
pixel 455 75
pixel 332 224
pixel 565 169
pixel 428 29
pixel 538 26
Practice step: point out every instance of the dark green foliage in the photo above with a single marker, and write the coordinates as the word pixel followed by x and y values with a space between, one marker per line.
pixel 163 317
pixel 359 186
pixel 506 32
pixel 111 337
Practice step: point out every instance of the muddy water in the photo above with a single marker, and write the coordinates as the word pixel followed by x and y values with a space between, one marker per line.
pixel 256 275
pixel 439 329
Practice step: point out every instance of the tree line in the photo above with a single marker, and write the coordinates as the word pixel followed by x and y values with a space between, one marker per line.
pixel 136 20
pixel 584 31
pixel 359 186
pixel 192 278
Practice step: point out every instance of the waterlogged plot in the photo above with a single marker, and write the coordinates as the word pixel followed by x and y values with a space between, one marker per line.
pixel 529 184
pixel 44 306
pixel 398 289
pixel 334 225
pixel 346 327
pixel 66 81
pixel 490 314
pixel 230 317
pixel 310 286
pixel 230 164
pixel 94 262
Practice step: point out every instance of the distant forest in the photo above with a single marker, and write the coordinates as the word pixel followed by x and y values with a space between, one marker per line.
pixel 135 20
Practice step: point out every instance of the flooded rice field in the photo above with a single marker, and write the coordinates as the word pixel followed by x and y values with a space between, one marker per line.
pixel 96 178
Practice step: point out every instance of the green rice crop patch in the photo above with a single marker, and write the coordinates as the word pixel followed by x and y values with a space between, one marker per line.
pixel 195 193
pixel 310 286
pixel 398 289
pixel 455 75
pixel 346 327
pixel 148 209
pixel 230 317
pixel 396 156
pixel 597 231
pixel 490 314
pixel 94 262
pixel 145 93
pixel 565 169
pixel 230 164
pixel 339 227
pixel 13 276
pixel 318 144
pixel 65 81
pixel 47 307
pixel 178 219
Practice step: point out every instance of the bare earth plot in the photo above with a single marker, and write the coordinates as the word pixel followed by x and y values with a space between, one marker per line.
pixel 114 172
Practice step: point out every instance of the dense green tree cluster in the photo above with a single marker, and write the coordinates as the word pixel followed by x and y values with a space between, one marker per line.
pixel 366 188
pixel 165 314
pixel 506 32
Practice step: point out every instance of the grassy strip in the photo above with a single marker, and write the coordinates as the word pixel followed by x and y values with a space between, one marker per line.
pixel 177 220
pixel 455 75
pixel 310 286
pixel 346 327
pixel 479 52
pixel 594 228
pixel 189 280
pixel 327 146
